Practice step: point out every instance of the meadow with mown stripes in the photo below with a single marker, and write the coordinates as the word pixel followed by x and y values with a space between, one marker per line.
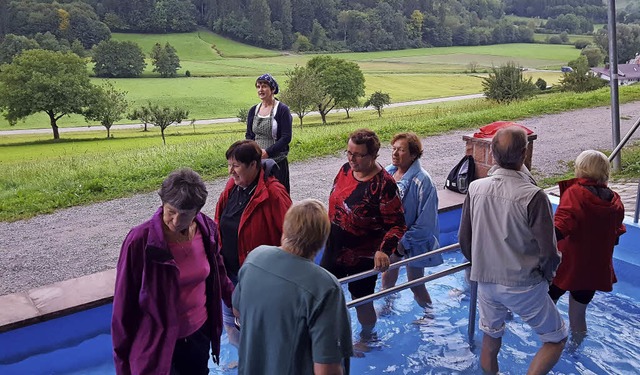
pixel 38 175
pixel 223 72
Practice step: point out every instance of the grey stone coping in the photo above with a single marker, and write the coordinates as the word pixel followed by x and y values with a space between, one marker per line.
pixel 55 300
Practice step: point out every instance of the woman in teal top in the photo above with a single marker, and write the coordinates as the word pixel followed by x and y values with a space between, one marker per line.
pixel 420 203
pixel 269 124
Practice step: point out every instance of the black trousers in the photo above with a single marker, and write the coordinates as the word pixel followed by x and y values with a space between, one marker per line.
pixel 191 353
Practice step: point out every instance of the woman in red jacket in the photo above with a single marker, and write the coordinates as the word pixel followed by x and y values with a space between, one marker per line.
pixel 588 222
pixel 250 212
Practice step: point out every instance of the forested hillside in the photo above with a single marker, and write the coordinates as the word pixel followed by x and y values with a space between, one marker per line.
pixel 594 10
pixel 307 25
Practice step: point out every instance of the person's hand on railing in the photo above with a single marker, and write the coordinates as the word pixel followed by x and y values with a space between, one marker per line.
pixel 381 261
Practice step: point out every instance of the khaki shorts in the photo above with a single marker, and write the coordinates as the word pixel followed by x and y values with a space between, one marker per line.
pixel 531 303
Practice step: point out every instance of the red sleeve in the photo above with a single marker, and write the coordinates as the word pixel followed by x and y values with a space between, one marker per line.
pixel 565 218
pixel 621 228
pixel 392 216
pixel 126 311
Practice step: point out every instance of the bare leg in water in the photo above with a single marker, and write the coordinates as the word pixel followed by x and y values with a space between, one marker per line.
pixel 420 293
pixel 542 363
pixel 367 317
pixel 577 321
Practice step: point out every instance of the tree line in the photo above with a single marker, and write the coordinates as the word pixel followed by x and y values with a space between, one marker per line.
pixel 361 25
pixel 594 10
pixel 301 25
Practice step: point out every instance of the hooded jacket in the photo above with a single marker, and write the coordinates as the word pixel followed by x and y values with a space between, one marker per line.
pixel 590 227
pixel 262 219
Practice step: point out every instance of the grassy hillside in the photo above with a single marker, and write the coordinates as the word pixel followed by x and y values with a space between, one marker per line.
pixel 219 97
pixel 223 72
pixel 38 175
pixel 202 45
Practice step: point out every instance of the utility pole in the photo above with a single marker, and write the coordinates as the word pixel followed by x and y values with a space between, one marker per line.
pixel 613 82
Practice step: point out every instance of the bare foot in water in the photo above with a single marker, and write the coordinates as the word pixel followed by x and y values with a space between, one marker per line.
pixel 428 317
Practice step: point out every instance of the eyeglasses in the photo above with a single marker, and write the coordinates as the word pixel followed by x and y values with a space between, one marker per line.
pixel 352 155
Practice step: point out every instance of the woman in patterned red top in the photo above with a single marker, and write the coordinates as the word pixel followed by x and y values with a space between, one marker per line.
pixel 367 221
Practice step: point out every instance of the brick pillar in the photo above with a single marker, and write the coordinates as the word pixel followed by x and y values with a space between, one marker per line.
pixel 480 149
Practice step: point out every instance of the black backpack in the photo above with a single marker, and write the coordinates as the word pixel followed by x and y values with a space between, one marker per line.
pixel 461 175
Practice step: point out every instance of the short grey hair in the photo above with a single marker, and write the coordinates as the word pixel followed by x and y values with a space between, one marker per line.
pixel 508 147
pixel 593 165
pixel 184 190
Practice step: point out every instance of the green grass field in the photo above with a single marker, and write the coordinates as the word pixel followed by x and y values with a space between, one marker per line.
pixel 223 85
pixel 38 175
pixel 202 45
pixel 221 97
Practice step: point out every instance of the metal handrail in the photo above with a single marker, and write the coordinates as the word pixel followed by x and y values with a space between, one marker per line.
pixel 407 285
pixel 624 140
pixel 395 289
pixel 615 152
pixel 637 212
pixel 362 275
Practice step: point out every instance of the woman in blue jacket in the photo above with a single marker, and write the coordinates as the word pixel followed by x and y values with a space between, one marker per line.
pixel 420 203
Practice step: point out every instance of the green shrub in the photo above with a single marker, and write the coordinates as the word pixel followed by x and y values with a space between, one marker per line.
pixel 554 39
pixel 507 84
pixel 242 115
pixel 541 84
pixel 580 44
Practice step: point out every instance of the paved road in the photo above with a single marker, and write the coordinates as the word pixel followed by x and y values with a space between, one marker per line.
pixel 228 119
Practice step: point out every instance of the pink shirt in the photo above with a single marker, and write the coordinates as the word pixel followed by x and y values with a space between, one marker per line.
pixel 193 268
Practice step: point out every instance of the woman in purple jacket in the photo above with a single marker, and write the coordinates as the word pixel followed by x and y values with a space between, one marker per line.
pixel 170 281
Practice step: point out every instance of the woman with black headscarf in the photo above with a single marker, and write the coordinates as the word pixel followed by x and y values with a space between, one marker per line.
pixel 269 124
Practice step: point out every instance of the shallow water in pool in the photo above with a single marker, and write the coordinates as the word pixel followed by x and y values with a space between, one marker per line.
pixel 440 345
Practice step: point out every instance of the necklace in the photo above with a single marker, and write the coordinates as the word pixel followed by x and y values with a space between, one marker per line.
pixel 181 236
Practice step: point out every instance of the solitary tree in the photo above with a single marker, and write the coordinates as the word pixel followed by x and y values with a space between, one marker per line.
pixel 141 114
pixel 304 91
pixel 342 81
pixel 594 55
pixel 506 84
pixel 378 100
pixel 162 117
pixel 118 59
pixel 107 106
pixel 44 81
pixel 165 60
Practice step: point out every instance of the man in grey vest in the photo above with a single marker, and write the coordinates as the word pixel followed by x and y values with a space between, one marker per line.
pixel 506 231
